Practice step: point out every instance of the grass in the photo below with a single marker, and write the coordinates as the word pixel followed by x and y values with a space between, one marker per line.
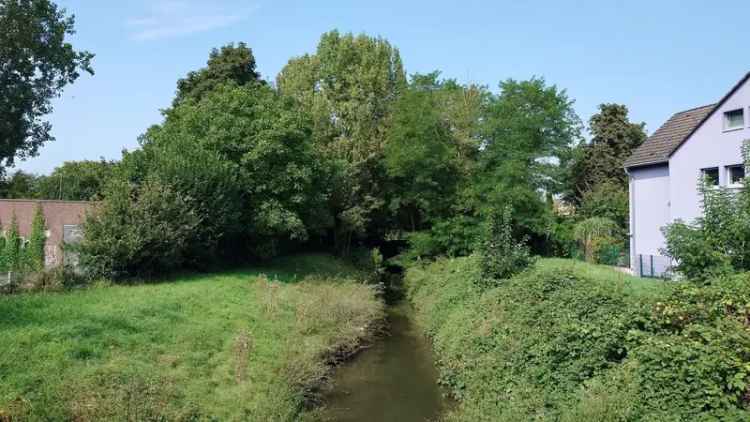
pixel 241 345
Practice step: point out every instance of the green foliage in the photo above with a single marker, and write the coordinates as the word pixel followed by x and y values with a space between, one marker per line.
pixel 614 137
pixel 138 230
pixel 75 181
pixel 72 181
pixel 527 130
pixel 230 64
pixel 421 155
pixel 594 236
pixel 34 250
pixel 13 247
pixel 715 243
pixel 502 256
pixel 568 341
pixel 241 161
pixel 346 92
pixel 607 200
pixel 37 63
pixel 456 236
pixel 19 185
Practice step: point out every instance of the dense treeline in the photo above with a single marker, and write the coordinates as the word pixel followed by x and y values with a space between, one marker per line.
pixel 344 148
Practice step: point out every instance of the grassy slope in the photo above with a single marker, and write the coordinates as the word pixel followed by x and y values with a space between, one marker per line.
pixel 233 346
pixel 521 352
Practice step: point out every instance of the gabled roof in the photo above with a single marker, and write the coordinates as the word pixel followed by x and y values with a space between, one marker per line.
pixel 671 135
pixel 660 145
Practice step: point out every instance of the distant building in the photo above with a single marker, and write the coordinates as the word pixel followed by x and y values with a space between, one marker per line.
pixel 63 220
pixel 664 172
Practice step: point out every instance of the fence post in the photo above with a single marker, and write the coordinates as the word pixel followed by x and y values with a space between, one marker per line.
pixel 652 266
pixel 640 265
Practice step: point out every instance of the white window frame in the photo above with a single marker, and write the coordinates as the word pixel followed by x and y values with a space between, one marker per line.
pixel 729 176
pixel 726 120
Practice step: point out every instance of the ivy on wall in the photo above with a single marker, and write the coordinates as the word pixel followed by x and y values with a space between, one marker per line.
pixel 18 254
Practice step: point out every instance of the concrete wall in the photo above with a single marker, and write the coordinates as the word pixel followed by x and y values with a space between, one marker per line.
pixel 710 146
pixel 649 208
pixel 57 214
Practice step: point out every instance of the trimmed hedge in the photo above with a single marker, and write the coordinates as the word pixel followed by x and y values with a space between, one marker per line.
pixel 571 341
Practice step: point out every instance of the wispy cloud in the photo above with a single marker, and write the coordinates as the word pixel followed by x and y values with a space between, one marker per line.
pixel 175 18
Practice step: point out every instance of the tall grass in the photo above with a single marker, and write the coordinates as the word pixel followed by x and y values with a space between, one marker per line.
pixel 241 345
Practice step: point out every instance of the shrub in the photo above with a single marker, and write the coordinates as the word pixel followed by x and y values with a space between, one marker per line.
pixel 569 341
pixel 595 235
pixel 456 236
pixel 34 251
pixel 138 230
pixel 502 256
pixel 12 248
pixel 715 243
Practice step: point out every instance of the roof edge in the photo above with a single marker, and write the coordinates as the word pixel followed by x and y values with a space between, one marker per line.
pixel 711 113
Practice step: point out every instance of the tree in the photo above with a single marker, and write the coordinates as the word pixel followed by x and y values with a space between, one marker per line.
pixel 347 90
pixel 230 64
pixel 36 63
pixel 421 154
pixel 607 200
pixel 76 181
pixel 243 155
pixel 20 185
pixel 12 251
pixel 614 137
pixel 34 251
pixel 527 129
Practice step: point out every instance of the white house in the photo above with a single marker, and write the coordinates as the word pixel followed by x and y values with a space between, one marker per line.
pixel 665 170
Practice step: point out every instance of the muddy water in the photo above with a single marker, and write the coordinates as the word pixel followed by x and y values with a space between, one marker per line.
pixel 394 380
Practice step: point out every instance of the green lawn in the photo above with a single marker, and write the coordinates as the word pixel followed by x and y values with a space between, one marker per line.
pixel 240 345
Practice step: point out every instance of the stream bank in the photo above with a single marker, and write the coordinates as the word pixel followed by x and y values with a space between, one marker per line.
pixel 394 380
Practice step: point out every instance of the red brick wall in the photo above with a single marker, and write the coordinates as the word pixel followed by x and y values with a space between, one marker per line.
pixel 56 213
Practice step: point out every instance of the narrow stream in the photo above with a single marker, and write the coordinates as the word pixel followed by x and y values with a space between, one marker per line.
pixel 394 380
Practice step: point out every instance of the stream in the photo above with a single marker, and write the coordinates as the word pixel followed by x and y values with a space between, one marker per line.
pixel 394 380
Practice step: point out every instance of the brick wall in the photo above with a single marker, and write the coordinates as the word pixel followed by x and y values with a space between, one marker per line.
pixel 57 214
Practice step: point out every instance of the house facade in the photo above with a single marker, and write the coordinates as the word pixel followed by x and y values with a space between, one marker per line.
pixel 63 219
pixel 665 171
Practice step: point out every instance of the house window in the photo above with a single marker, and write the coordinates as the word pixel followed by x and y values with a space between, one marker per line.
pixel 711 176
pixel 734 119
pixel 735 175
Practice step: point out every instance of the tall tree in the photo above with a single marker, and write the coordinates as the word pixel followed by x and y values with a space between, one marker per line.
pixel 36 63
pixel 76 181
pixel 347 89
pixel 430 144
pixel 230 64
pixel 613 139
pixel 528 129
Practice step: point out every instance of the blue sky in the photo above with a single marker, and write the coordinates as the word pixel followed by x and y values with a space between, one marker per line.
pixel 657 57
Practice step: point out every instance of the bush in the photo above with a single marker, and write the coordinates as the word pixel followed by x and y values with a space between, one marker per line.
pixel 570 341
pixel 715 243
pixel 595 236
pixel 456 236
pixel 138 230
pixel 502 256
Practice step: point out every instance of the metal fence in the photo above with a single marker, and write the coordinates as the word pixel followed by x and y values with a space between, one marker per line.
pixel 655 266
